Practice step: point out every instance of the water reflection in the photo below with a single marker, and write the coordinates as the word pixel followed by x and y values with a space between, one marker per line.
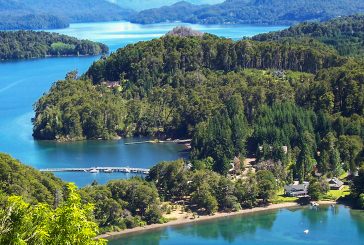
pixel 326 224
pixel 316 216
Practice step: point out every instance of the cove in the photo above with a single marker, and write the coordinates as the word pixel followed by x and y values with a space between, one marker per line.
pixel 22 83
pixel 326 225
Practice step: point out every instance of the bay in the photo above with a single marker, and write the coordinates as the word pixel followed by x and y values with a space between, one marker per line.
pixel 326 225
pixel 22 83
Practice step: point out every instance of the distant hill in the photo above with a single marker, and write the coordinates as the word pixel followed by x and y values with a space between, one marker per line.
pixel 44 14
pixel 345 34
pixel 284 12
pixel 148 4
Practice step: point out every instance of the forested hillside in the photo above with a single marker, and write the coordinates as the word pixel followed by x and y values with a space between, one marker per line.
pixel 272 12
pixel 31 44
pixel 42 14
pixel 345 34
pixel 232 98
pixel 149 4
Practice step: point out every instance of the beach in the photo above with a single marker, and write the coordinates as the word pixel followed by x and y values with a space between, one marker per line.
pixel 183 219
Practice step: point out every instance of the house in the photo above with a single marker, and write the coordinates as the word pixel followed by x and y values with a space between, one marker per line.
pixel 296 190
pixel 335 184
pixel 111 84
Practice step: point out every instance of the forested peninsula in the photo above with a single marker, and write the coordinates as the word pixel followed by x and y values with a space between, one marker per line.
pixel 31 44
pixel 295 104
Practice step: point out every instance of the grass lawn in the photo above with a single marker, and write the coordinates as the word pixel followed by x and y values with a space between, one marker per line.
pixel 334 195
pixel 280 198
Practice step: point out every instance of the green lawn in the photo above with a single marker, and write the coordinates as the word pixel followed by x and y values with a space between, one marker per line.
pixel 334 195
pixel 280 198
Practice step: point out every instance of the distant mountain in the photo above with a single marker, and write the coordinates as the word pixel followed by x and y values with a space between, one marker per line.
pixel 284 12
pixel 43 14
pixel 140 5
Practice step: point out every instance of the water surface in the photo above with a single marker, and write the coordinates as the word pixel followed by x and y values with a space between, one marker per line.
pixel 326 225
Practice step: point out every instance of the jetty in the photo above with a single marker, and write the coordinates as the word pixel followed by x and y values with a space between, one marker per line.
pixel 177 141
pixel 99 170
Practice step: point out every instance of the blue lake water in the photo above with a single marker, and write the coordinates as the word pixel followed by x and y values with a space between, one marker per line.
pixel 326 225
pixel 23 82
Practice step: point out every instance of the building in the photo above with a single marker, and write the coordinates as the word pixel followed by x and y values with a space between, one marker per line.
pixel 335 184
pixel 296 190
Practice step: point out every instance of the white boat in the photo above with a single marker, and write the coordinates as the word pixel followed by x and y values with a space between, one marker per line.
pixel 109 171
pixel 94 171
pixel 127 170
pixel 306 231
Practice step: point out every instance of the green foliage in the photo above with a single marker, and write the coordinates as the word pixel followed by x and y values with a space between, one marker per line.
pixel 31 44
pixel 247 191
pixel 43 14
pixel 361 201
pixel 20 180
pixel 269 12
pixel 267 185
pixel 357 187
pixel 76 114
pixel 70 223
pixel 203 198
pixel 345 34
pixel 317 189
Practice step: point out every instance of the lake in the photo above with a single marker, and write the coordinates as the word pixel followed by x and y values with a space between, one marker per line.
pixel 327 225
pixel 22 83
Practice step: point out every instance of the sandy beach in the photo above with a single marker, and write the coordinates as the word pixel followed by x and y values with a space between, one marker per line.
pixel 183 219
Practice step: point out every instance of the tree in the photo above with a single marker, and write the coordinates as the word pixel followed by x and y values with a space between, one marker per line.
pixel 317 189
pixel 349 148
pixel 247 191
pixel 266 184
pixel 204 199
pixel 225 195
pixel 70 223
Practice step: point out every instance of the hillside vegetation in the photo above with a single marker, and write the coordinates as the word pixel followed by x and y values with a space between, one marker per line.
pixel 31 44
pixel 270 12
pixel 233 99
pixel 139 5
pixel 345 34
pixel 42 14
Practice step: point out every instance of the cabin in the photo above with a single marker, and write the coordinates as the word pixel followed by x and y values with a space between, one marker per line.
pixel 296 190
pixel 111 84
pixel 335 184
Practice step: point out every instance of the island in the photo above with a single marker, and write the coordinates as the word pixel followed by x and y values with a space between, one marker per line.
pixel 32 44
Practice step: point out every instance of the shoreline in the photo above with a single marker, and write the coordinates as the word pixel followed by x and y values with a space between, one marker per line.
pixel 183 221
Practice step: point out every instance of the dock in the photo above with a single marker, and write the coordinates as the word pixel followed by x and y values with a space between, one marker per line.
pixel 177 141
pixel 99 170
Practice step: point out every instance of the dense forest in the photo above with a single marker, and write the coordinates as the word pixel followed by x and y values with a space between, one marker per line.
pixel 271 12
pixel 76 216
pixel 232 98
pixel 43 14
pixel 120 204
pixel 31 44
pixel 345 34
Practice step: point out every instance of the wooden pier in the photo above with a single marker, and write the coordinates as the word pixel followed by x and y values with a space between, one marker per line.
pixel 177 141
pixel 99 170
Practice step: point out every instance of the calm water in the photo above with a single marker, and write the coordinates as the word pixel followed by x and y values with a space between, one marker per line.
pixel 326 225
pixel 23 82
